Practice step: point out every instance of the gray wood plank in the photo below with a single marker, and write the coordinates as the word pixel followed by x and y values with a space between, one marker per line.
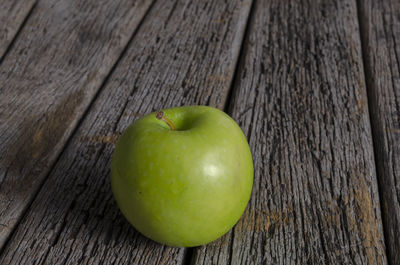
pixel 300 97
pixel 12 16
pixel 184 53
pixel 380 32
pixel 47 80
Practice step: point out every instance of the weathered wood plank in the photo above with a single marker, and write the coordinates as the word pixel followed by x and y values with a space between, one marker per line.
pixel 380 33
pixel 12 15
pixel 47 80
pixel 184 53
pixel 300 97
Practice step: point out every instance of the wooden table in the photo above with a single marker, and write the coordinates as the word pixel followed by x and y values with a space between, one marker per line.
pixel 315 86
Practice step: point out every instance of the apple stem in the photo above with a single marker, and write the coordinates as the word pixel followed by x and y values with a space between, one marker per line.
pixel 161 116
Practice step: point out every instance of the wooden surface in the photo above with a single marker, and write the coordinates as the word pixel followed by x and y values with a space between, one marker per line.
pixel 47 80
pixel 300 98
pixel 380 22
pixel 12 16
pixel 314 86
pixel 74 218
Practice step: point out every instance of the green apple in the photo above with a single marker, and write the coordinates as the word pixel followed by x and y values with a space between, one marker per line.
pixel 183 176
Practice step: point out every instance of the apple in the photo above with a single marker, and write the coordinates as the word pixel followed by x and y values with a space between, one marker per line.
pixel 182 176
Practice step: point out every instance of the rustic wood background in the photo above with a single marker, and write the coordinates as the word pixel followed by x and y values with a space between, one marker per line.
pixel 315 86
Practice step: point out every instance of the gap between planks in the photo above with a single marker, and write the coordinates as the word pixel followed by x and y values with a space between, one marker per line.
pixel 366 70
pixel 22 14
pixel 377 25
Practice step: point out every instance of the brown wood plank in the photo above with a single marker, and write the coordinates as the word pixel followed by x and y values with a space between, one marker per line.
pixel 184 53
pixel 380 33
pixel 300 98
pixel 12 16
pixel 47 80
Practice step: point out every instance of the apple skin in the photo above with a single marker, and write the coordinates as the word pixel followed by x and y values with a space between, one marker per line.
pixel 186 187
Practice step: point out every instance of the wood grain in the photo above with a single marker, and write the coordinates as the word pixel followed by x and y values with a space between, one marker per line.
pixel 300 97
pixel 184 53
pixel 12 16
pixel 380 32
pixel 47 80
